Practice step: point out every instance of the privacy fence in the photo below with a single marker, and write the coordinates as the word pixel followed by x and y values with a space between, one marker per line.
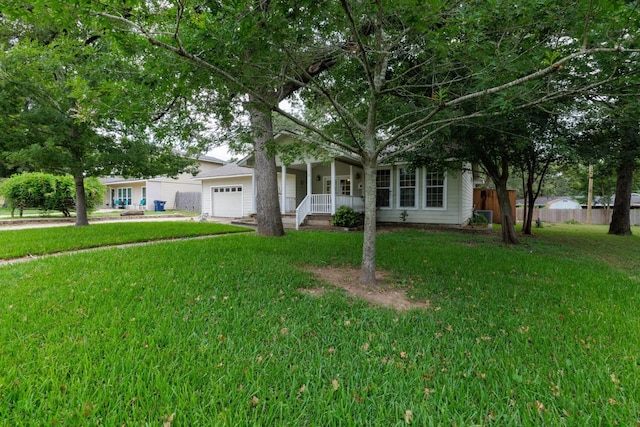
pixel 598 216
pixel 189 201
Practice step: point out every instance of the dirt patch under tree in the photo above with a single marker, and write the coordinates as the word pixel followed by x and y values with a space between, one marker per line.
pixel 348 278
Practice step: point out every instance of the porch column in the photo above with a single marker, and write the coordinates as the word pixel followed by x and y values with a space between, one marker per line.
pixel 351 180
pixel 333 187
pixel 283 196
pixel 309 180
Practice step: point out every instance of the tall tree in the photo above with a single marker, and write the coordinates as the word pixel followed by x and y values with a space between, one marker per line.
pixel 263 52
pixel 613 111
pixel 612 142
pixel 544 146
pixel 64 92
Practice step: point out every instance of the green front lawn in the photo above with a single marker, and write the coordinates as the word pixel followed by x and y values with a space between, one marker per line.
pixel 216 332
pixel 39 241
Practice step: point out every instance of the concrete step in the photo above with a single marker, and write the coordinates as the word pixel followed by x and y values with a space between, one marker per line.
pixel 316 220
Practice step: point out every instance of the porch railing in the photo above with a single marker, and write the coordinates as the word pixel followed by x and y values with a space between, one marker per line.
pixel 321 204
pixel 303 209
pixel 357 203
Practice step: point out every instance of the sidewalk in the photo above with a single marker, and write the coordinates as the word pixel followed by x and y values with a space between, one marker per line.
pixel 38 222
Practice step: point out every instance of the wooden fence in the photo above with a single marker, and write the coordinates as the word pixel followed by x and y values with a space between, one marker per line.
pixel 189 201
pixel 598 216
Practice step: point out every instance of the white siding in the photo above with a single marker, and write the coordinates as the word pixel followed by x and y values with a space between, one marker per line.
pixel 154 192
pixel 459 195
pixel 169 190
pixel 207 167
pixel 466 195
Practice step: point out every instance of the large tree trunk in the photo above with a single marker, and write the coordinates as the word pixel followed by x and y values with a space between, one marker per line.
pixel 621 221
pixel 266 177
pixel 82 218
pixel 368 271
pixel 506 213
pixel 499 173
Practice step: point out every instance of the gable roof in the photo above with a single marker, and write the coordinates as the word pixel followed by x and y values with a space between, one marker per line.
pixel 228 170
pixel 122 180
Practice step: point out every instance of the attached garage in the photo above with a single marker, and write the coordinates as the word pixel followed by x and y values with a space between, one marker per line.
pixel 226 201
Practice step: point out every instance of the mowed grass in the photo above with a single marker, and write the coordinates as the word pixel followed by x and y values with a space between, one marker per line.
pixel 39 241
pixel 217 332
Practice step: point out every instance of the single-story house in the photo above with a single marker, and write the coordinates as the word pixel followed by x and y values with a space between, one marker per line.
pixel 321 185
pixel 553 202
pixel 564 203
pixel 140 193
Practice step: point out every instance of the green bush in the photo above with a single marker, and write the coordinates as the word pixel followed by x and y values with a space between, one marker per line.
pixel 48 192
pixel 346 217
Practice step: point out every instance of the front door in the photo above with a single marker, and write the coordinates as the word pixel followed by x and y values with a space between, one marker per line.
pixel 343 185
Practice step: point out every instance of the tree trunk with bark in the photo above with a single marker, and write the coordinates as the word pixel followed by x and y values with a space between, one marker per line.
pixel 529 205
pixel 498 170
pixel 506 213
pixel 82 218
pixel 368 270
pixel 266 176
pixel 621 221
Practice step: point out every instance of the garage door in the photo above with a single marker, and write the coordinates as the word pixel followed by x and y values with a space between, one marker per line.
pixel 227 201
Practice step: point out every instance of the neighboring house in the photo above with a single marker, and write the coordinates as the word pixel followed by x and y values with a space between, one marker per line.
pixel 564 203
pixel 553 202
pixel 136 193
pixel 600 202
pixel 321 185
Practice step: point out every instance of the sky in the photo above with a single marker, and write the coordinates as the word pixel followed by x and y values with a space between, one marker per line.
pixel 221 153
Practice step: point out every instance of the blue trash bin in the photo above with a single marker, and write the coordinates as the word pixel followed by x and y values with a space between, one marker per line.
pixel 159 205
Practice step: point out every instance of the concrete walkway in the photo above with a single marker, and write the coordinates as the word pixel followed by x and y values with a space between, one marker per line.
pixel 38 222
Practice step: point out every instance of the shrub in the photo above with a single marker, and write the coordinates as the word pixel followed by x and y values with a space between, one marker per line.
pixel 48 192
pixel 346 217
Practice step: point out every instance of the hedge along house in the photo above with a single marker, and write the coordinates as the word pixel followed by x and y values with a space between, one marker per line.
pixel 322 184
pixel 136 193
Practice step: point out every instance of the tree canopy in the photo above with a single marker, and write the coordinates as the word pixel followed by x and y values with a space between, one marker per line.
pixel 65 109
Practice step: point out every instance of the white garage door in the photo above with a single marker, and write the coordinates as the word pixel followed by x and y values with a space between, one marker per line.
pixel 227 201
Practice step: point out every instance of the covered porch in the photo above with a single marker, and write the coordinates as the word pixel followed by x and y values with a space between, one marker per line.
pixel 322 187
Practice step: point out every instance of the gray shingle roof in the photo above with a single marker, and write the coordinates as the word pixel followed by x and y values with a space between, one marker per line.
pixel 230 169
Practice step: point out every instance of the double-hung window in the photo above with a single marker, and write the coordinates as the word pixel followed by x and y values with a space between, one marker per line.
pixel 407 188
pixel 434 185
pixel 383 188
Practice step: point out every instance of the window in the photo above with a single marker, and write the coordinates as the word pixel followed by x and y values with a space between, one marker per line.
pixel 434 183
pixel 343 187
pixel 383 188
pixel 124 196
pixel 407 188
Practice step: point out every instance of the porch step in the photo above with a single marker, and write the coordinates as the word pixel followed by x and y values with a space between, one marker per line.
pixel 318 220
pixel 288 219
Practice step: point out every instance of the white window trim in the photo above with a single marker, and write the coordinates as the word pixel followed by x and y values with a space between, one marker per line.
pixel 416 202
pixel 125 190
pixel 327 179
pixel 444 194
pixel 391 192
